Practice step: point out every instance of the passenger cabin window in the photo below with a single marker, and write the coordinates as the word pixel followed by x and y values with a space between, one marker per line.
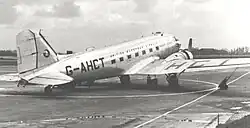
pixel 121 59
pixel 113 61
pixel 136 54
pixel 129 56
pixel 150 50
pixel 143 52
pixel 157 47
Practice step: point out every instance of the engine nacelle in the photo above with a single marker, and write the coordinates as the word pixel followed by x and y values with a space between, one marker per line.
pixel 182 54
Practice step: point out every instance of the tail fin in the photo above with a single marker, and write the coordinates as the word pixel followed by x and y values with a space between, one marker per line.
pixel 33 51
pixel 190 44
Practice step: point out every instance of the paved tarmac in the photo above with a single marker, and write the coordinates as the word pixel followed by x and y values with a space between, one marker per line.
pixel 107 104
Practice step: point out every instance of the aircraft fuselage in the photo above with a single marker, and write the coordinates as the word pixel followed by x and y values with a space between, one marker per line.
pixel 116 60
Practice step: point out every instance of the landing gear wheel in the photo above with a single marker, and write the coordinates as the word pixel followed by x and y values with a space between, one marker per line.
pixel 151 81
pixel 22 82
pixel 125 79
pixel 173 80
pixel 48 89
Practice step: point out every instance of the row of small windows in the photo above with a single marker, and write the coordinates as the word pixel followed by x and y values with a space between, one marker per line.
pixel 129 56
pixel 134 49
pixel 140 47
pixel 136 55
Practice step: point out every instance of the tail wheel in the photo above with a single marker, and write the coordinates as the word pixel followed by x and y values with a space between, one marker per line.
pixel 153 81
pixel 22 82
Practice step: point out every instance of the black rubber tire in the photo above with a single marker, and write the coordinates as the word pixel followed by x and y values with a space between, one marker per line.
pixel 48 89
pixel 173 81
pixel 125 79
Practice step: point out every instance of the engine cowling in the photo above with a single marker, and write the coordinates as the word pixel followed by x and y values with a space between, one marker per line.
pixel 182 54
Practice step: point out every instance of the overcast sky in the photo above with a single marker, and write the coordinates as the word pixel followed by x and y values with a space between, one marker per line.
pixel 78 24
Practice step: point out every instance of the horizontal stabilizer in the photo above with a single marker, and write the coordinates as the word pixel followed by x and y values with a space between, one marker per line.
pixel 10 77
pixel 54 78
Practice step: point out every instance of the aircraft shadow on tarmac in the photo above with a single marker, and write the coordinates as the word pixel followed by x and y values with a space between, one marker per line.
pixel 107 88
pixel 114 86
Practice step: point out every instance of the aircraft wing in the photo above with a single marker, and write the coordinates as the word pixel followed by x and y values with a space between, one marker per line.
pixel 161 66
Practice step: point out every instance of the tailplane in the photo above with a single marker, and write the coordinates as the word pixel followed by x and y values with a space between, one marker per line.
pixel 33 51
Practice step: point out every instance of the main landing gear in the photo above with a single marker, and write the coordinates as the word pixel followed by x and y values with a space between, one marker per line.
pixel 48 89
pixel 152 81
pixel 173 80
pixel 125 79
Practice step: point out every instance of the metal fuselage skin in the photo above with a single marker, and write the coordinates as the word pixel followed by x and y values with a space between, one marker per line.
pixel 115 60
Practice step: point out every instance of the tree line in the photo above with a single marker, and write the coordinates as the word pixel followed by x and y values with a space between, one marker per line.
pixel 214 51
pixel 8 53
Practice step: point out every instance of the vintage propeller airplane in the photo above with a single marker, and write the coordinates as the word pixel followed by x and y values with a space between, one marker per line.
pixel 159 54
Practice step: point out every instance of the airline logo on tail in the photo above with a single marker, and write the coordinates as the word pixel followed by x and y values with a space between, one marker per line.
pixel 34 52
pixel 46 53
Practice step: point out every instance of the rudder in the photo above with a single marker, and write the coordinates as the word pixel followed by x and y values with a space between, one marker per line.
pixel 33 51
